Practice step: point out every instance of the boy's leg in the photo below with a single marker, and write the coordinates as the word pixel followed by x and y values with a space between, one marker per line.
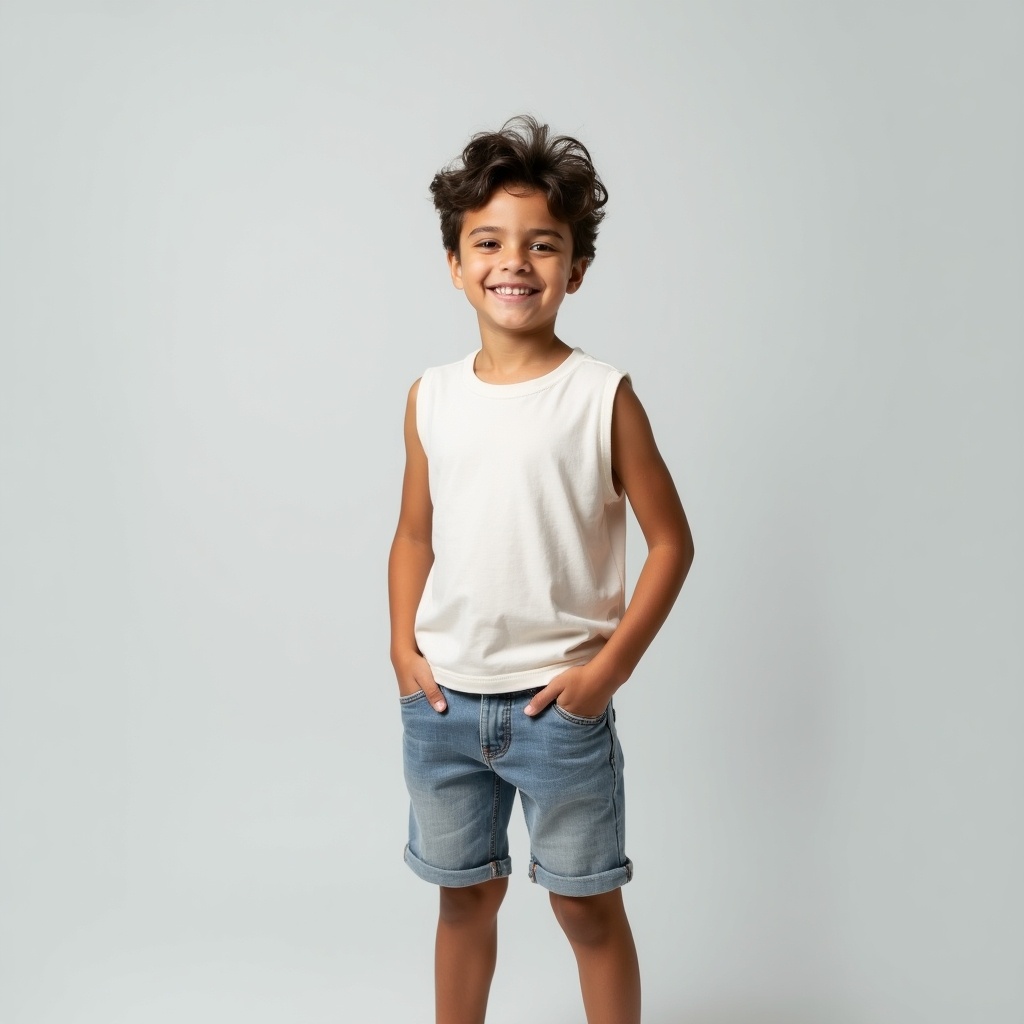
pixel 599 933
pixel 466 950
pixel 568 769
pixel 458 840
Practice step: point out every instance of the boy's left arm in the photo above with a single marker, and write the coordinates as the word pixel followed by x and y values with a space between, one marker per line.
pixel 640 469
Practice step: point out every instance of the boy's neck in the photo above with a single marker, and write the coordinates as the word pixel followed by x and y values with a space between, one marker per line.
pixel 507 359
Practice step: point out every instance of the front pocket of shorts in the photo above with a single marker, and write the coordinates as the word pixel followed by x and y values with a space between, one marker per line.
pixel 579 719
pixel 411 698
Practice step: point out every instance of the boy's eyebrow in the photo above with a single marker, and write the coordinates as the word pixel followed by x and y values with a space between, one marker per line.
pixel 489 229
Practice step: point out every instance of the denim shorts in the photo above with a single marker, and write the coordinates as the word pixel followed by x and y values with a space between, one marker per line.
pixel 464 766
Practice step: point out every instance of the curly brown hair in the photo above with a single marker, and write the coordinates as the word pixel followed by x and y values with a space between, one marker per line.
pixel 523 154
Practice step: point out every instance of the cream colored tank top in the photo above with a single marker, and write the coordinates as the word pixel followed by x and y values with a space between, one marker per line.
pixel 528 531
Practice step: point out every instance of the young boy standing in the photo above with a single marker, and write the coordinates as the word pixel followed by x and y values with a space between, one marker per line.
pixel 510 631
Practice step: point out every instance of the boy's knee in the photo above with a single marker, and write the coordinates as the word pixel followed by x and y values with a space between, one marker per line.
pixel 473 903
pixel 588 920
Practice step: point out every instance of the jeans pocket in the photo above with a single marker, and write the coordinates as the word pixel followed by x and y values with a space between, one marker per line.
pixel 579 719
pixel 411 698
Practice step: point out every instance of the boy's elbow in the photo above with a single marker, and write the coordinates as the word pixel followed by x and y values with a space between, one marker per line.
pixel 675 556
pixel 686 552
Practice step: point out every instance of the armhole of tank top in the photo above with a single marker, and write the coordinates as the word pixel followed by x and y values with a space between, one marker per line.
pixel 421 412
pixel 611 387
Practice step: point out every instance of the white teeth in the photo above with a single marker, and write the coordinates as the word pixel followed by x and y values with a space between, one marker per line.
pixel 509 290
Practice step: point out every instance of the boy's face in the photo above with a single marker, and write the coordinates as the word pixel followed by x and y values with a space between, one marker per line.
pixel 515 264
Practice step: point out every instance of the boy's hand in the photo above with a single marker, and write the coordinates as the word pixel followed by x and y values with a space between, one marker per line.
pixel 577 691
pixel 414 674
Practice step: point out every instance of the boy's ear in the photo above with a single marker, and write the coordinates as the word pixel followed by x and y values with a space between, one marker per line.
pixel 455 268
pixel 579 268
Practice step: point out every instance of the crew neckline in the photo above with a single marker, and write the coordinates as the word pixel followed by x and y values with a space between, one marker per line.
pixel 523 387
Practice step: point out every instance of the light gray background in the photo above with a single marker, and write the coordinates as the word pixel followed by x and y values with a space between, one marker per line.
pixel 220 273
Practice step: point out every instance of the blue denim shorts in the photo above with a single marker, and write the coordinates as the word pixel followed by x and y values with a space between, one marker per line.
pixel 464 766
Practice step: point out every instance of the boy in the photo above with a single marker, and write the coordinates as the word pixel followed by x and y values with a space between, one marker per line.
pixel 506 577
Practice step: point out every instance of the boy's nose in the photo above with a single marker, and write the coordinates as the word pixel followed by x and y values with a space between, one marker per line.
pixel 515 259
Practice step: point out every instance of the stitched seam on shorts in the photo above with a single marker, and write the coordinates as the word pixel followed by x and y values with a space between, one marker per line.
pixel 485 755
pixel 615 802
pixel 506 728
pixel 579 719
pixel 495 804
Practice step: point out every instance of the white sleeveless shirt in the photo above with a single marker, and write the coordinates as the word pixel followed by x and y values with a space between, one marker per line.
pixel 528 530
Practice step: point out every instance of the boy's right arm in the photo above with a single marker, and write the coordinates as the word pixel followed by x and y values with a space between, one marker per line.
pixel 412 555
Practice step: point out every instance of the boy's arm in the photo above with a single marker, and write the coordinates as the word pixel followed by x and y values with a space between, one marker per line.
pixel 640 469
pixel 412 555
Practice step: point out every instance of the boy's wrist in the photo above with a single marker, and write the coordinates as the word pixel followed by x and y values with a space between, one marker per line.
pixel 606 674
pixel 401 653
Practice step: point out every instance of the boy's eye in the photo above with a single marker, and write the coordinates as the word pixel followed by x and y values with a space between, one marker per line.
pixel 542 247
pixel 487 243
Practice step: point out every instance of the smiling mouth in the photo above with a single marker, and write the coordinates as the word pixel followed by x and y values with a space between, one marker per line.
pixel 508 289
